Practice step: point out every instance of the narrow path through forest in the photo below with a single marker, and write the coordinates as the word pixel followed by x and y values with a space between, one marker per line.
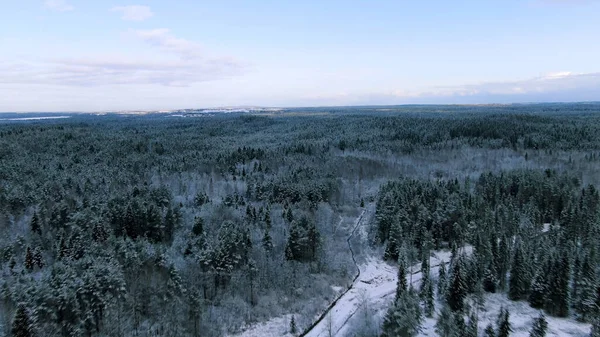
pixel 316 326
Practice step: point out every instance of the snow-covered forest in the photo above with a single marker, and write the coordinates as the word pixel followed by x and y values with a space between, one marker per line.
pixel 403 221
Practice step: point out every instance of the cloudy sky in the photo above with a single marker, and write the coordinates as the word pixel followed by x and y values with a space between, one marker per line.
pixel 81 55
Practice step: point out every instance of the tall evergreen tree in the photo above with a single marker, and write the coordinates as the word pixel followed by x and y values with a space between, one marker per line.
pixel 267 241
pixel 427 297
pixel 21 326
pixel 446 324
pixel 457 288
pixel 540 326
pixel 586 301
pixel 518 284
pixel 539 288
pixel 559 298
pixel 293 327
pixel 503 322
pixel 403 318
pixel 29 261
pixel 442 280
pixel 489 279
pixel 198 228
pixel 35 225
pixel 489 331
pixel 595 328
pixel 472 325
pixel 401 282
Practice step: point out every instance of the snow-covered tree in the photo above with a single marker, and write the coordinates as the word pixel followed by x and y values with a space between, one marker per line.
pixel 540 326
pixel 518 284
pixel 293 327
pixel 489 331
pixel 472 326
pixel 21 326
pixel 457 287
pixel 503 323
pixel 588 285
pixel 442 280
pixel 403 318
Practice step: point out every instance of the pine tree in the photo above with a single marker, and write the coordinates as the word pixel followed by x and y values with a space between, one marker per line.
pixel 442 280
pixel 503 261
pixel 29 262
pixel 35 224
pixel 427 297
pixel 21 326
pixel 37 258
pixel 539 289
pixel 457 290
pixel 198 228
pixel 559 297
pixel 489 331
pixel 595 328
pixel 293 328
pixel 540 326
pixel 401 282
pixel 267 241
pixel 489 279
pixel 518 284
pixel 425 269
pixel 446 323
pixel 471 329
pixel 503 322
pixel 586 301
pixel 403 318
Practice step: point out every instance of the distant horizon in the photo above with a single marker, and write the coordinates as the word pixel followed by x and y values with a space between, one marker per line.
pixel 298 107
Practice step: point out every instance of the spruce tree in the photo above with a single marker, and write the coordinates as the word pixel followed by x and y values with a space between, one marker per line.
pixel 489 331
pixel 471 329
pixel 503 322
pixel 21 326
pixel 540 326
pixel 35 224
pixel 403 318
pixel 518 284
pixel 198 228
pixel 401 282
pixel 457 288
pixel 446 324
pixel 489 279
pixel 267 241
pixel 559 297
pixel 29 262
pixel 427 298
pixel 442 280
pixel 539 289
pixel 293 327
pixel 595 328
pixel 586 301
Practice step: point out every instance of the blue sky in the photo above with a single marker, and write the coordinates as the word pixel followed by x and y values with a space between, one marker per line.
pixel 76 55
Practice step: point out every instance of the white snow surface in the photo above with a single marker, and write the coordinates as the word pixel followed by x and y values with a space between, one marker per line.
pixel 275 327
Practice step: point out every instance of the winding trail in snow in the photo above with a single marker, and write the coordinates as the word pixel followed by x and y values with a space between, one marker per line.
pixel 334 303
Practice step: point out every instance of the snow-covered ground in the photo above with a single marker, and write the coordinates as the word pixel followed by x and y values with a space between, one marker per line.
pixel 275 327
pixel 376 286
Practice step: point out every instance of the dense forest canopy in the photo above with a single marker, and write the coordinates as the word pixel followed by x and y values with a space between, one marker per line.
pixel 168 226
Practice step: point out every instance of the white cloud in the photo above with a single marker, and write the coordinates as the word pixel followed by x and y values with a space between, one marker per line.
pixel 58 5
pixel 188 64
pixel 134 12
pixel 163 39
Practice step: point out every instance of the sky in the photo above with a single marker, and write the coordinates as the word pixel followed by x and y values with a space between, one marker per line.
pixel 83 55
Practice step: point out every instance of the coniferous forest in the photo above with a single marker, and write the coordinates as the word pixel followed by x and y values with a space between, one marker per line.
pixel 202 225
